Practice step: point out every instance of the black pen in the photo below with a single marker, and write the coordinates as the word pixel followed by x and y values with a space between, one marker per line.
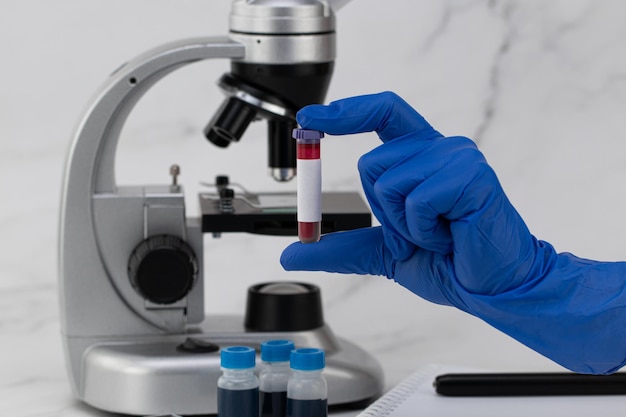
pixel 528 384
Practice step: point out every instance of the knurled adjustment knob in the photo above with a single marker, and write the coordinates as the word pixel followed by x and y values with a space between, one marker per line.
pixel 163 269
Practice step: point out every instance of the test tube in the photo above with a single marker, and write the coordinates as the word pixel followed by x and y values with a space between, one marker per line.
pixel 309 184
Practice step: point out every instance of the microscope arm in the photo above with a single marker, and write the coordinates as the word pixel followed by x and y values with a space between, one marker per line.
pixel 93 149
pixel 90 174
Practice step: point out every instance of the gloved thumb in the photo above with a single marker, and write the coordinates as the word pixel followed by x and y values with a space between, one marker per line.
pixel 357 251
pixel 363 251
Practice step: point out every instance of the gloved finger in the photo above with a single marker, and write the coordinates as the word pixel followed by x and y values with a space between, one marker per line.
pixel 385 113
pixel 374 164
pixel 425 219
pixel 394 185
pixel 441 198
pixel 357 251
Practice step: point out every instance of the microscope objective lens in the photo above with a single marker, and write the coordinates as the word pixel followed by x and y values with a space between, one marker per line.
pixel 309 184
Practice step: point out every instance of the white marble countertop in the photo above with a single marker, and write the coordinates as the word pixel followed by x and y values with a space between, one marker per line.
pixel 540 85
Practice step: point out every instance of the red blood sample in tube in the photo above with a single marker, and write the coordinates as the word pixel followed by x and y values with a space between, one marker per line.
pixel 309 183
pixel 309 232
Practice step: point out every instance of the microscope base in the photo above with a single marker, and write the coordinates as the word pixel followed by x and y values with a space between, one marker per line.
pixel 150 376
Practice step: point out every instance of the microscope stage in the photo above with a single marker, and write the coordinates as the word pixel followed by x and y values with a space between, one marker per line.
pixel 275 213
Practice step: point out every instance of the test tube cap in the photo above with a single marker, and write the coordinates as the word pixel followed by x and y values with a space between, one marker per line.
pixel 307 359
pixel 276 350
pixel 238 357
pixel 307 134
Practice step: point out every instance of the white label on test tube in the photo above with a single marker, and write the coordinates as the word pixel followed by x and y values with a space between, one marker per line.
pixel 309 196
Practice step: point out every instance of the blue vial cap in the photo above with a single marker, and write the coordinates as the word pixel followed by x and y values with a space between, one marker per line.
pixel 307 359
pixel 276 350
pixel 306 134
pixel 238 357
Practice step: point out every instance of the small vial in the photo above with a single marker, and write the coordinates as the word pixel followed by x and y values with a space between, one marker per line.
pixel 309 184
pixel 238 387
pixel 274 377
pixel 307 392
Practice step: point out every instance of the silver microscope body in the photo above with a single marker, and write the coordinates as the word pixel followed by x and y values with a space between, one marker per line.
pixel 136 338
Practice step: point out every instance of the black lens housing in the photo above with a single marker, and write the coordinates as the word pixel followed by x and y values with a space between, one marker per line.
pixel 269 91
pixel 283 306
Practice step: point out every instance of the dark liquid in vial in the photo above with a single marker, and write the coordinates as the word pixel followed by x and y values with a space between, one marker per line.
pixel 273 404
pixel 238 403
pixel 307 408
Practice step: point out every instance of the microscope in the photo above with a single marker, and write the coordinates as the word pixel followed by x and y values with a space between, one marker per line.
pixel 136 339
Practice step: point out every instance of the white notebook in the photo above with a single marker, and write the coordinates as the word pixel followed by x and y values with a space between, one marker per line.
pixel 416 397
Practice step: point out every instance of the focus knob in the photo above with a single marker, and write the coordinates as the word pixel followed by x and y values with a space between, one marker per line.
pixel 163 269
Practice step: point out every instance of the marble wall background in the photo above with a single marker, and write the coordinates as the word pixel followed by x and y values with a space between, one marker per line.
pixel 539 84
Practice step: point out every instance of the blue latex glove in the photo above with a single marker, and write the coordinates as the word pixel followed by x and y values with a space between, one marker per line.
pixel 449 234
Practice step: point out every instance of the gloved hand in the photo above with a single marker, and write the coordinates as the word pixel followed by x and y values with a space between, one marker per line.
pixel 449 234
